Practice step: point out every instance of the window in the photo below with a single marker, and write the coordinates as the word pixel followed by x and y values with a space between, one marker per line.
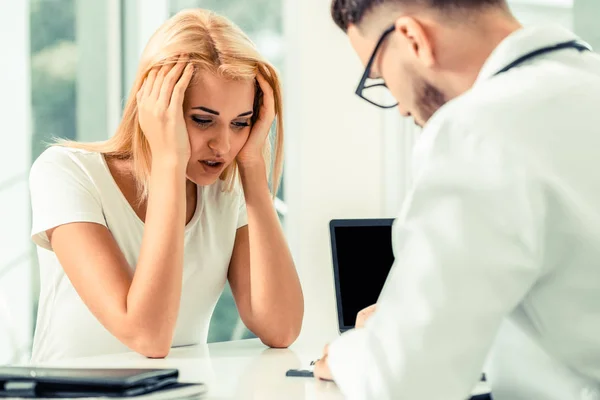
pixel 62 84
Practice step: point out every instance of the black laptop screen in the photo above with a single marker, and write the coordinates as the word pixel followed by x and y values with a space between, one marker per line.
pixel 364 258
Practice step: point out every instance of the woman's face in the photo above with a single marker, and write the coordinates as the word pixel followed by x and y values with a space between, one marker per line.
pixel 217 114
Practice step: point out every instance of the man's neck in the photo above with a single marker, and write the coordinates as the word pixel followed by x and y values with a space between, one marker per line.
pixel 478 43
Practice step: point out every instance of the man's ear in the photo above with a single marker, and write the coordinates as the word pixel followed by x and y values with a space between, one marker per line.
pixel 415 37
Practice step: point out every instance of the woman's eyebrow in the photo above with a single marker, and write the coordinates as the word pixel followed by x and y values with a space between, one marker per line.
pixel 208 110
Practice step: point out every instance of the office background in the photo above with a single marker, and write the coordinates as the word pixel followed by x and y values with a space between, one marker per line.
pixel 67 65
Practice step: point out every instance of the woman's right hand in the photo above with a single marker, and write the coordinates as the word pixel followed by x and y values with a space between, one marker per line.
pixel 160 110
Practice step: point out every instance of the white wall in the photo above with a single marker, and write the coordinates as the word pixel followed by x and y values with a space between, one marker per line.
pixel 534 14
pixel 586 21
pixel 334 152
pixel 15 135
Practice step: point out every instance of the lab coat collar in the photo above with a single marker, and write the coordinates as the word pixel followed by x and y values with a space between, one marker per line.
pixel 521 42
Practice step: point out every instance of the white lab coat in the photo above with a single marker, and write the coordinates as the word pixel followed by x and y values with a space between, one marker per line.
pixel 497 244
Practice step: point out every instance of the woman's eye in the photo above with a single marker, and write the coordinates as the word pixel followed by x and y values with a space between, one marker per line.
pixel 201 121
pixel 241 124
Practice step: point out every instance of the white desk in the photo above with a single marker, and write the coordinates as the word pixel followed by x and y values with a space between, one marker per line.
pixel 244 369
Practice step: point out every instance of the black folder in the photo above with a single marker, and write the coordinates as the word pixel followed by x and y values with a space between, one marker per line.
pixel 31 382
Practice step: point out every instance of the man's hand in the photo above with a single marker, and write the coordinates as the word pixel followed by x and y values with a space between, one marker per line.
pixel 363 315
pixel 321 370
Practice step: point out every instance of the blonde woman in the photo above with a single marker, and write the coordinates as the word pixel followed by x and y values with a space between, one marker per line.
pixel 137 235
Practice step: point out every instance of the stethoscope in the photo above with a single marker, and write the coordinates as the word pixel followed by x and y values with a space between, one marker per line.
pixel 572 44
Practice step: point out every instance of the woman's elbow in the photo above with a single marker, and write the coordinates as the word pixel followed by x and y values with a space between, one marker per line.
pixel 282 340
pixel 156 351
pixel 151 346
pixel 285 337
pixel 277 343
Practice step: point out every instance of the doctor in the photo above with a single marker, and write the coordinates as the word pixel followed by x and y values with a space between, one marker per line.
pixel 498 243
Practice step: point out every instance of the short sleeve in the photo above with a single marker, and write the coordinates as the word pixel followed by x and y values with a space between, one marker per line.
pixel 61 193
pixel 242 212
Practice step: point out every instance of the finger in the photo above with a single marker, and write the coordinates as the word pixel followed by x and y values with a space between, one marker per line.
pixel 140 93
pixel 158 82
pixel 326 350
pixel 166 91
pixel 181 86
pixel 268 100
pixel 149 83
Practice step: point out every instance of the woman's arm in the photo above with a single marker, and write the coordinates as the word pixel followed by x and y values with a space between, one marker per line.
pixel 140 310
pixel 262 274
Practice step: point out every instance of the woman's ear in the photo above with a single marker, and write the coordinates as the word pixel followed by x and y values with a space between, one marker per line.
pixel 258 96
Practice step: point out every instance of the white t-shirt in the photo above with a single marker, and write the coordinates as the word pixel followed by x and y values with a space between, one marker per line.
pixel 69 185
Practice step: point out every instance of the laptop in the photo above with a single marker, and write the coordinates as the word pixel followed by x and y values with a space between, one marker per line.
pixel 362 258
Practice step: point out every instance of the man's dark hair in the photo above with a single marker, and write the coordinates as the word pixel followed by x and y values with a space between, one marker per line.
pixel 347 12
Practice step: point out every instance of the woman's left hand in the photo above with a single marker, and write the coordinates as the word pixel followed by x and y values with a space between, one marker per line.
pixel 252 152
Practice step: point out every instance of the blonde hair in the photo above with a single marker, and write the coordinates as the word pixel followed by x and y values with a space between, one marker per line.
pixel 215 44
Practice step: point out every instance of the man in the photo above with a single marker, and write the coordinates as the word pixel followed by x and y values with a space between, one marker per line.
pixel 498 242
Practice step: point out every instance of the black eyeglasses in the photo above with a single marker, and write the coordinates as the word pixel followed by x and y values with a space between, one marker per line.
pixel 376 93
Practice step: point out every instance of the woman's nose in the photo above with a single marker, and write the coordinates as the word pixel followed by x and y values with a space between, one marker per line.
pixel 220 143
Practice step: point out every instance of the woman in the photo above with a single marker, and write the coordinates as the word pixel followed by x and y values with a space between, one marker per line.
pixel 137 235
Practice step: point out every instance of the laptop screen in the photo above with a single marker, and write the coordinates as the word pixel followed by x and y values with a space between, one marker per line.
pixel 362 257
